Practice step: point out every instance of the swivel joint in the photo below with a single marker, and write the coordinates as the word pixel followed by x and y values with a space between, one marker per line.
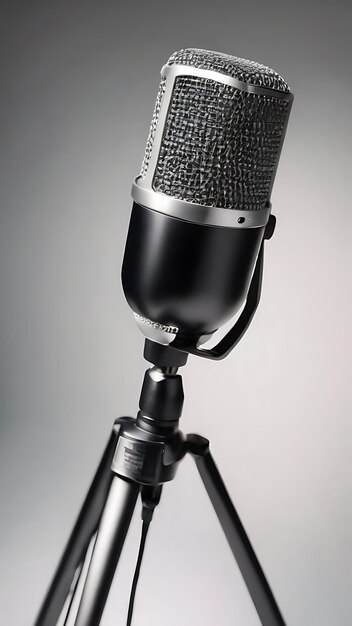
pixel 162 395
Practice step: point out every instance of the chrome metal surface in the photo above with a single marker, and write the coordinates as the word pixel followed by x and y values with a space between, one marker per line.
pixel 243 70
pixel 172 71
pixel 156 331
pixel 160 373
pixel 190 212
pixel 110 539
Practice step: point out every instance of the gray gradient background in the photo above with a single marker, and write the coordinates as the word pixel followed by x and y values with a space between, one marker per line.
pixel 78 85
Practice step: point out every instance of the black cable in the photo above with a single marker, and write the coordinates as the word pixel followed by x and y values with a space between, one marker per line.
pixel 150 499
pixel 145 527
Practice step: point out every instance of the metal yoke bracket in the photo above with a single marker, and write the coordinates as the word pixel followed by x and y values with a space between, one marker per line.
pixel 235 334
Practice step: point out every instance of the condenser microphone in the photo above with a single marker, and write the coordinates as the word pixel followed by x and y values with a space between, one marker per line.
pixel 202 200
pixel 193 258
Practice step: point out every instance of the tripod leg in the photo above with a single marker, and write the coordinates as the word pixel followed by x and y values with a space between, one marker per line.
pixel 235 533
pixel 112 531
pixel 82 532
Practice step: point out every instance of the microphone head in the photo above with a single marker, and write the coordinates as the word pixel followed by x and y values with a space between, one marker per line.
pixel 210 161
pixel 216 134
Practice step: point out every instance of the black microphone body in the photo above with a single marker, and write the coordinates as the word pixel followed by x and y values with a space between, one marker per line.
pixel 180 272
pixel 202 200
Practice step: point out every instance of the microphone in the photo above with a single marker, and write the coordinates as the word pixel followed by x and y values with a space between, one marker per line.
pixel 202 200
pixel 193 258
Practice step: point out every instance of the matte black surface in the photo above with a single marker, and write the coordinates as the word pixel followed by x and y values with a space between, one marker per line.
pixel 189 275
pixel 78 542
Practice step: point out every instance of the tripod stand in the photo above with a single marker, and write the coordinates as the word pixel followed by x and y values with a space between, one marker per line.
pixel 142 454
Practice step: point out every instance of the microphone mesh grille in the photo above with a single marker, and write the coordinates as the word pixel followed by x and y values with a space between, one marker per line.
pixel 220 145
pixel 242 69
pixel 153 125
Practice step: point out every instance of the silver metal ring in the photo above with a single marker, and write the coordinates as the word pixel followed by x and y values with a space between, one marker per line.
pixel 173 71
pixel 196 213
